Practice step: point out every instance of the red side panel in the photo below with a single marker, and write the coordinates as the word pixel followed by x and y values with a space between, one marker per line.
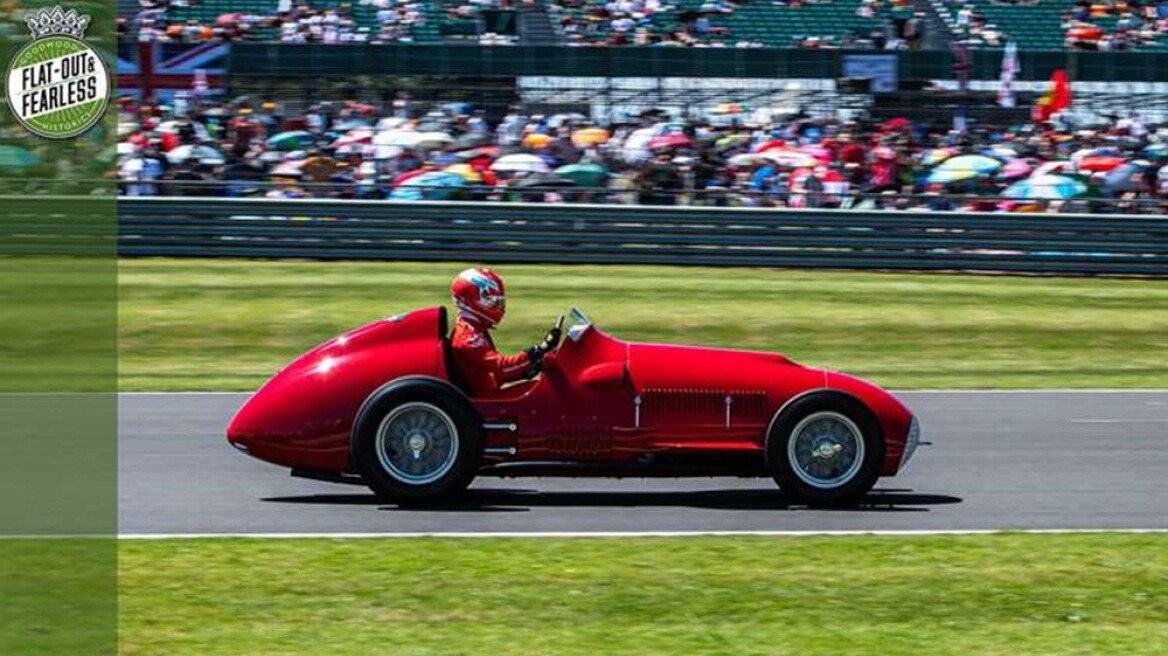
pixel 303 416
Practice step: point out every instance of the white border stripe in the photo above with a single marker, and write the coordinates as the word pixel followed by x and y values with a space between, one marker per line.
pixel 1052 390
pixel 621 534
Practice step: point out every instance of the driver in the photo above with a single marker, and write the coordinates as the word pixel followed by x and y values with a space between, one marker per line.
pixel 479 296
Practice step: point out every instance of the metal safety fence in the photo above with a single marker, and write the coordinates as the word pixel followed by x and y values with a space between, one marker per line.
pixel 606 234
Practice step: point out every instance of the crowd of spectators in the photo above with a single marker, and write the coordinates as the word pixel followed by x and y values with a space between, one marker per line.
pixel 291 21
pixel 338 150
pixel 1136 23
pixel 1100 25
pixel 578 22
pixel 1086 24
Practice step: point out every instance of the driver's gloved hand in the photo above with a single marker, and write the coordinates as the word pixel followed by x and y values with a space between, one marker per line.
pixel 551 340
pixel 535 356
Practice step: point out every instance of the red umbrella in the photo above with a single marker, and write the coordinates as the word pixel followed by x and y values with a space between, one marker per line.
pixel 818 152
pixel 1099 163
pixel 669 141
pixel 1086 33
pixel 895 124
pixel 773 144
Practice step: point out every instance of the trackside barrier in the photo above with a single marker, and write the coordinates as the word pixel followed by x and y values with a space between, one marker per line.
pixel 607 234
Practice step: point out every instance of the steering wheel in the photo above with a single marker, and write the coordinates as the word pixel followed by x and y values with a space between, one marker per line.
pixel 555 336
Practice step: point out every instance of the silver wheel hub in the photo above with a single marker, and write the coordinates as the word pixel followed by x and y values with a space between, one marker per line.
pixel 826 450
pixel 417 443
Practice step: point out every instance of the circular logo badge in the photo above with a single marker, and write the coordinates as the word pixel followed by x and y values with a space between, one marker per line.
pixel 58 86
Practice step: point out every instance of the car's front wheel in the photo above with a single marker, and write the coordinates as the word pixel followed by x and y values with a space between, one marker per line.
pixel 417 441
pixel 825 449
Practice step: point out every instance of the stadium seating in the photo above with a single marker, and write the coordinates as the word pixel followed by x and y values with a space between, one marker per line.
pixel 1034 26
pixel 758 21
pixel 207 12
pixel 780 26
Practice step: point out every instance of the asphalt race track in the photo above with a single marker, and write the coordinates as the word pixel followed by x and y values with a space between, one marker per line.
pixel 1027 460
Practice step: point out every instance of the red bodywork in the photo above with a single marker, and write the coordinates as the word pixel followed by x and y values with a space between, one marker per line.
pixel 600 402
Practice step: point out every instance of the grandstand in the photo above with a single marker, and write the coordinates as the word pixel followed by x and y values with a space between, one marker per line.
pixel 785 25
pixel 1037 25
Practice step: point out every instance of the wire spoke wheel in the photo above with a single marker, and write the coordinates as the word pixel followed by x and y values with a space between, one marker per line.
pixel 826 450
pixel 417 443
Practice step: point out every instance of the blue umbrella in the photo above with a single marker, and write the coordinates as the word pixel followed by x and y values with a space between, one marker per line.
pixel 294 140
pixel 439 185
pixel 1157 150
pixel 1045 187
pixel 963 167
pixel 1127 177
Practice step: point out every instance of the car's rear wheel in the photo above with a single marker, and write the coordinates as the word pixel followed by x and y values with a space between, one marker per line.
pixel 417 440
pixel 825 449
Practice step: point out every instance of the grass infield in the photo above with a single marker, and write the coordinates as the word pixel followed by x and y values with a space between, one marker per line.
pixel 228 324
pixel 985 594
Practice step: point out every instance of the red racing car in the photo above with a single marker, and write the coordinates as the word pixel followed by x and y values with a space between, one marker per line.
pixel 383 405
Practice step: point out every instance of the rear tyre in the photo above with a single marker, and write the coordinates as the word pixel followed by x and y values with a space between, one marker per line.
pixel 417 441
pixel 825 450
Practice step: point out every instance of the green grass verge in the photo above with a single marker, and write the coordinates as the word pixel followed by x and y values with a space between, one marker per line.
pixel 228 324
pixel 988 594
pixel 60 596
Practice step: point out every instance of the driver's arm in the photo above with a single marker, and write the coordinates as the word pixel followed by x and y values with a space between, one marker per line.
pixel 514 368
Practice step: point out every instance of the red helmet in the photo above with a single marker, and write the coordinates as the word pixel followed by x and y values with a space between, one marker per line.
pixel 480 293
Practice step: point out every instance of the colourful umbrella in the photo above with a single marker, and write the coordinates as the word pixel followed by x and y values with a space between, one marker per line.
pixel 1001 151
pixel 294 140
pixel 1131 176
pixel 520 163
pixel 1099 163
pixel 773 144
pixel 436 185
pixel 14 157
pixel 466 171
pixel 536 140
pixel 818 152
pixel 1015 168
pixel 1045 187
pixel 937 155
pixel 743 159
pixel 354 137
pixel 431 140
pixel 590 137
pixel 1157 150
pixel 963 167
pixel 731 141
pixel 669 141
pixel 791 158
pixel 585 174
pixel 204 154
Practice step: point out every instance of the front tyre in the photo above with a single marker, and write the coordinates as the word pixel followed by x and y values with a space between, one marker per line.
pixel 825 450
pixel 417 441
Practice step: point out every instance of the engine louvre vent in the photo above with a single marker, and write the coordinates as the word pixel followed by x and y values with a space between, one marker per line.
pixel 686 406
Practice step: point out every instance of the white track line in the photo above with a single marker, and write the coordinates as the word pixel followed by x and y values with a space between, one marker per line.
pixel 1150 390
pixel 621 534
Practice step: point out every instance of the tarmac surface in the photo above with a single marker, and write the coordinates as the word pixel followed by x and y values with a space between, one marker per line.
pixel 999 460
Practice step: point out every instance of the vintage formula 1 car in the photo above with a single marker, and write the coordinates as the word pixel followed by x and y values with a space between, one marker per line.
pixel 383 405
